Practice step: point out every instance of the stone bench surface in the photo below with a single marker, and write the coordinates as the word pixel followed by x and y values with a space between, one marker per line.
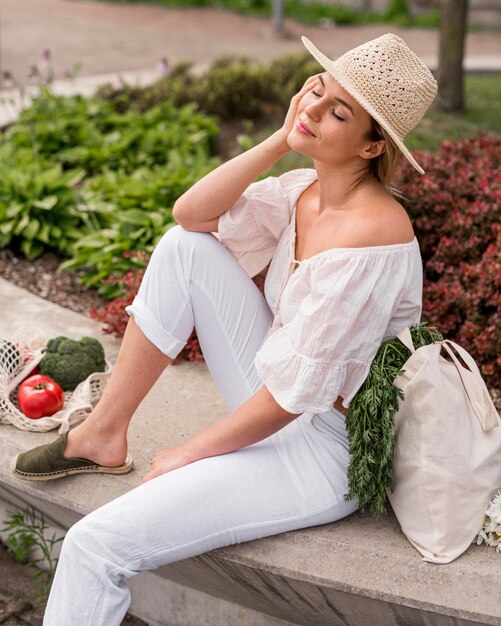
pixel 355 555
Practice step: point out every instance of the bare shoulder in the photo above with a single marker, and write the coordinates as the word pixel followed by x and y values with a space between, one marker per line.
pixel 385 222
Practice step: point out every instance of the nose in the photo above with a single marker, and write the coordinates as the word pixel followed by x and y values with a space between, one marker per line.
pixel 313 110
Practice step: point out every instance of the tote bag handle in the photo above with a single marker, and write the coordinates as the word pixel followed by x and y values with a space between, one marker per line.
pixel 477 393
pixel 406 338
pixel 475 387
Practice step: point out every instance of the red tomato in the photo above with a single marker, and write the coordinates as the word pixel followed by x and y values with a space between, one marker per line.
pixel 40 396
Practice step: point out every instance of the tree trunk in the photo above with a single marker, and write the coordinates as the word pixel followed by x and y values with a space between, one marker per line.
pixel 450 65
pixel 278 18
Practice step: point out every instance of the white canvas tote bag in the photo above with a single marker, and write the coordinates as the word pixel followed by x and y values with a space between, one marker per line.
pixel 447 454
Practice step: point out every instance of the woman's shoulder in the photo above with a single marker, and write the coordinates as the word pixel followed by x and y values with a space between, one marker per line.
pixel 383 221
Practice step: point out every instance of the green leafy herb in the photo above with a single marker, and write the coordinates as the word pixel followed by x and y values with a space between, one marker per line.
pixel 370 425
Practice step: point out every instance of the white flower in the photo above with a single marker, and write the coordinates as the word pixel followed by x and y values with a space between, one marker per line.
pixel 494 510
pixel 490 533
pixel 491 526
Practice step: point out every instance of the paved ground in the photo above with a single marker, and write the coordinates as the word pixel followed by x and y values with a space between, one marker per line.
pixel 116 37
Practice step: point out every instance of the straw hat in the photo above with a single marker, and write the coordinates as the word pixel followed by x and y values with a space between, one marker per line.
pixel 388 80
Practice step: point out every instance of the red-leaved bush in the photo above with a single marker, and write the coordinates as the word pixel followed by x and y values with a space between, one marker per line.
pixel 455 212
pixel 456 217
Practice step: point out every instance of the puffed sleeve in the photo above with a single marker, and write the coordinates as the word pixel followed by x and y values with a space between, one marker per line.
pixel 253 226
pixel 326 349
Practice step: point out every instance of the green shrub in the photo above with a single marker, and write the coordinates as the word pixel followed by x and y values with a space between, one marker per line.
pixel 39 206
pixel 314 12
pixel 140 211
pixel 232 87
pixel 88 182
pixel 91 134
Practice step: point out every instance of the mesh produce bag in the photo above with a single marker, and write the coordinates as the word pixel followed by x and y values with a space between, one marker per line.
pixel 20 353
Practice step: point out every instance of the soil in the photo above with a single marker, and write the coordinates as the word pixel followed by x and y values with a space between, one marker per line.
pixel 42 278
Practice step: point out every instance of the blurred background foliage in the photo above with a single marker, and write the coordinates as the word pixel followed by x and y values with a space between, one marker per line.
pixel 314 12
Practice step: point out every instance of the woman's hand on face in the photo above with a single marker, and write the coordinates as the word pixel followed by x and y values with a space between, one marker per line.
pixel 166 461
pixel 288 124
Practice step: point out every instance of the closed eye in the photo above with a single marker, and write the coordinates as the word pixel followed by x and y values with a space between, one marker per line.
pixel 341 119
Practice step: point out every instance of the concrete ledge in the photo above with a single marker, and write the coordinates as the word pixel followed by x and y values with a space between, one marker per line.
pixel 355 572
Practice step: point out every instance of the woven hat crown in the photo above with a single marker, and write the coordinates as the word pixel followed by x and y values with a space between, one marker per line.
pixel 388 80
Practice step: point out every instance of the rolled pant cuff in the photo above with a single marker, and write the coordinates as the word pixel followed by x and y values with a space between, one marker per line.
pixel 149 326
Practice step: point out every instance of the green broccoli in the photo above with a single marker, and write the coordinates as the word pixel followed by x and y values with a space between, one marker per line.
pixel 69 362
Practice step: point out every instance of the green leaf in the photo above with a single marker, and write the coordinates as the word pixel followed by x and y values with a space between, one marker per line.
pixel 113 247
pixel 31 229
pixel 48 203
pixel 69 264
pixel 56 232
pixel 95 240
pixel 137 234
pixel 31 249
pixel 6 228
pixel 133 216
pixel 50 175
pixel 157 219
pixel 14 209
pixel 21 225
pixel 73 177
pixel 44 233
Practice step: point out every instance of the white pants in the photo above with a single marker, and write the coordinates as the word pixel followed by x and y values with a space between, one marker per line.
pixel 295 478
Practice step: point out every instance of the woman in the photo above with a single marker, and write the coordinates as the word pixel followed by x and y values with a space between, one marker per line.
pixel 345 275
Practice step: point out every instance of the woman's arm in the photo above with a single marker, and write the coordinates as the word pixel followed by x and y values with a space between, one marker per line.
pixel 257 418
pixel 216 192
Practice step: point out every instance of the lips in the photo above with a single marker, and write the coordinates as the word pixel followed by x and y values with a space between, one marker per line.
pixel 302 128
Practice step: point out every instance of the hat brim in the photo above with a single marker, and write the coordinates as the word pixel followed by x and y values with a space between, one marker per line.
pixel 345 82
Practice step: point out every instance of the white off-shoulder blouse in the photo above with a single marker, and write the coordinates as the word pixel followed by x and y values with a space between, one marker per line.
pixel 331 311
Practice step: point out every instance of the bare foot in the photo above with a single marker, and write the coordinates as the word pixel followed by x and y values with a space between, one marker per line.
pixel 104 448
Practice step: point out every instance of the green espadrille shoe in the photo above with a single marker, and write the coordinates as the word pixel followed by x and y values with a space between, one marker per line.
pixel 47 462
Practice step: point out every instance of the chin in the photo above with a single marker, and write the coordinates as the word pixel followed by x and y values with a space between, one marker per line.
pixel 297 143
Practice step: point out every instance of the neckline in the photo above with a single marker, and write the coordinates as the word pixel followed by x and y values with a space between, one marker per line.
pixel 359 249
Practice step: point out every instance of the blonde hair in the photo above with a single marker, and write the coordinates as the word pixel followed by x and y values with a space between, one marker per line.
pixel 383 166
